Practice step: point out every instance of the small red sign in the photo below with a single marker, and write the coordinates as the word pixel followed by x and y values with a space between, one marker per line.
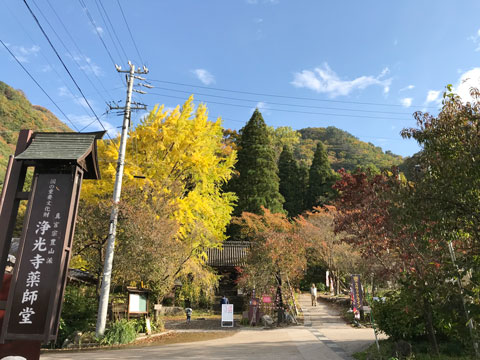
pixel 266 299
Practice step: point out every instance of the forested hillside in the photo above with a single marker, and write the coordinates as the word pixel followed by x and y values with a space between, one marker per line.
pixel 16 112
pixel 344 150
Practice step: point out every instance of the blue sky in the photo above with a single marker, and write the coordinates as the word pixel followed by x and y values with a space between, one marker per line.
pixel 363 67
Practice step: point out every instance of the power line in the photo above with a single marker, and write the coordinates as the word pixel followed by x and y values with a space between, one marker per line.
pixel 129 31
pixel 95 27
pixel 285 104
pixel 71 55
pixel 290 111
pixel 65 66
pixel 330 146
pixel 76 46
pixel 284 96
pixel 41 88
pixel 88 94
pixel 67 86
pixel 113 29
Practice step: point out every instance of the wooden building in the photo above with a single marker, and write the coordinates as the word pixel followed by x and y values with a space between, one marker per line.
pixel 225 261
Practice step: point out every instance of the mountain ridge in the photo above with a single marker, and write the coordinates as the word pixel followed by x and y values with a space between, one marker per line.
pixel 344 150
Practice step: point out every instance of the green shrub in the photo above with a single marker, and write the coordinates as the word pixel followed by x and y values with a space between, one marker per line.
pixel 167 301
pixel 399 316
pixel 78 312
pixel 120 332
pixel 321 287
pixel 158 326
pixel 140 325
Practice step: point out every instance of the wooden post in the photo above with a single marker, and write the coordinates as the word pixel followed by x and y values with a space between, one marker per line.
pixel 11 192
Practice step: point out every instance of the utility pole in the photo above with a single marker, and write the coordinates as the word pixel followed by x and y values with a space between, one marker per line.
pixel 107 267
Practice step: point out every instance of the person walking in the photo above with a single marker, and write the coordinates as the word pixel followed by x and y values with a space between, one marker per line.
pixel 188 312
pixel 313 293
pixel 224 300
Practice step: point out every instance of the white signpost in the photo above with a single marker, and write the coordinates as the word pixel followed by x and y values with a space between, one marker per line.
pixel 227 315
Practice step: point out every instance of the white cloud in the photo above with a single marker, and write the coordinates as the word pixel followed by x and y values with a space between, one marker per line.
pixel 407 102
pixel 258 20
pixel 476 40
pixel 63 91
pixel 82 102
pixel 468 80
pixel 96 30
pixel 432 96
pixel 23 53
pixel 204 76
pixel 28 51
pixel 325 80
pixel 87 65
pixel 409 87
pixel 46 68
pixel 263 107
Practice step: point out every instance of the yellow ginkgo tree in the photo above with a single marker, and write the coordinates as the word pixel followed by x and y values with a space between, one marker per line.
pixel 177 157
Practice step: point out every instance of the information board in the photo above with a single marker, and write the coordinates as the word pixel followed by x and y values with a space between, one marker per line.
pixel 227 315
pixel 137 303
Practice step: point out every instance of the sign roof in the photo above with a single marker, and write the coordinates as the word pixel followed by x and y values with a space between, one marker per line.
pixel 68 146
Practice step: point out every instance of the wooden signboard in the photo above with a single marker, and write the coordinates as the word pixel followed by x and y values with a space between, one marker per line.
pixel 35 294
pixel 34 302
pixel 137 302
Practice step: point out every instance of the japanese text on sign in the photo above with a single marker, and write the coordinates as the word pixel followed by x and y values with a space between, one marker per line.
pixel 41 253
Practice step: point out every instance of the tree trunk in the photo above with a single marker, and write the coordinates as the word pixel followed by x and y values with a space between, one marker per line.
pixel 427 313
pixel 280 299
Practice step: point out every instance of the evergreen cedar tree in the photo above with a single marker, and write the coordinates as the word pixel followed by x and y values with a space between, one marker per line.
pixel 257 183
pixel 321 179
pixel 292 182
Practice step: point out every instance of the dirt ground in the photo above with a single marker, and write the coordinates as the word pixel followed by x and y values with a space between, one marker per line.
pixel 201 323
pixel 181 337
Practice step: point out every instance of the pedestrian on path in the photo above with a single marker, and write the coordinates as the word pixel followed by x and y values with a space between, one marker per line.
pixel 188 312
pixel 224 300
pixel 313 293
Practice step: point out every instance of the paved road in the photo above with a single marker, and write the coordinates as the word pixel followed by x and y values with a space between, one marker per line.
pixel 329 328
pixel 323 337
